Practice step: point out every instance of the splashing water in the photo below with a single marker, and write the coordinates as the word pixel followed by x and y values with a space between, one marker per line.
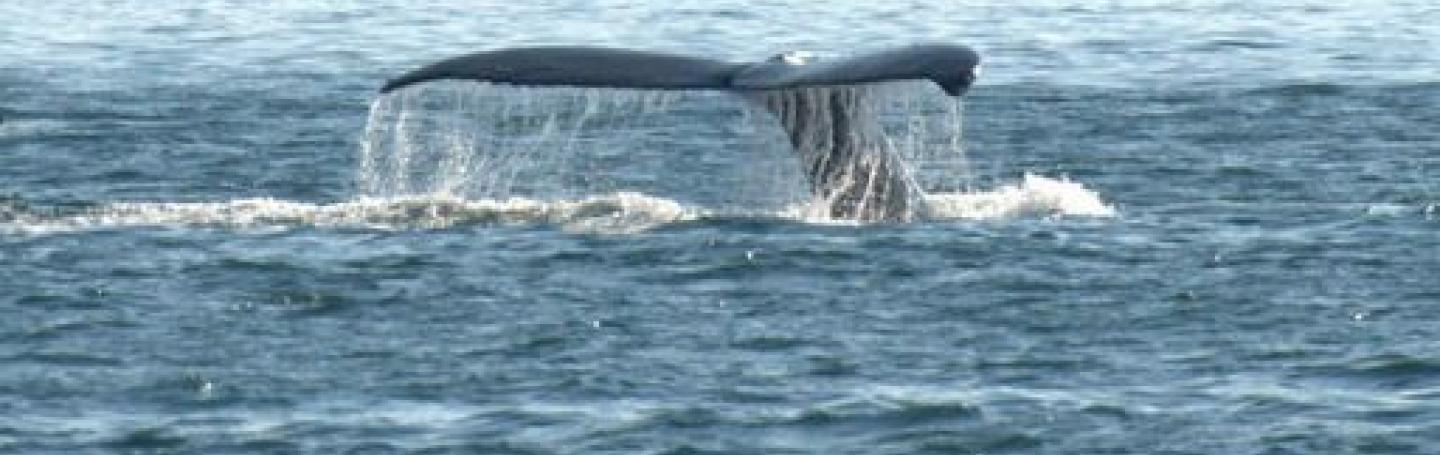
pixel 616 213
pixel 612 161
pixel 483 141
pixel 475 140
pixel 1034 196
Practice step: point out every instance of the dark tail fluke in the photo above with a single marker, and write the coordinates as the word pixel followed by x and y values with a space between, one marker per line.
pixel 818 102
pixel 951 67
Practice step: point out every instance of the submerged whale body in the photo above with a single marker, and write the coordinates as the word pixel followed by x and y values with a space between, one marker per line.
pixel 819 103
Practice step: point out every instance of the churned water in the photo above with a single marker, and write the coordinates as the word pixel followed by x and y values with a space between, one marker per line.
pixel 1168 227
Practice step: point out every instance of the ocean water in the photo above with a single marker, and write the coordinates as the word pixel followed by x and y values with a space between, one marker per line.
pixel 1180 227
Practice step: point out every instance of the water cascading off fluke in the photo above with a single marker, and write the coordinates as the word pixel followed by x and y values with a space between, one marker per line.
pixel 717 150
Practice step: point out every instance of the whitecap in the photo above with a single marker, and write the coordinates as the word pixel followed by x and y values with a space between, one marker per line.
pixel 1033 196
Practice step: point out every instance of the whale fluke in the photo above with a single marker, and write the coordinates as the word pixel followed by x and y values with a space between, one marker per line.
pixel 576 67
pixel 841 146
pixel 952 67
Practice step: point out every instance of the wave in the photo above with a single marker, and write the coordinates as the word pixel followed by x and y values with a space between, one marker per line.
pixel 1033 196
pixel 622 212
pixel 619 212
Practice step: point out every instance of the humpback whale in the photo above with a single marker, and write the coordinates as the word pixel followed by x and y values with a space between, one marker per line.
pixel 820 103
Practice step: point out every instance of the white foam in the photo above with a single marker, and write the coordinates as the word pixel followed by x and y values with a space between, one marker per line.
pixel 614 213
pixel 623 212
pixel 1396 210
pixel 21 128
pixel 1033 196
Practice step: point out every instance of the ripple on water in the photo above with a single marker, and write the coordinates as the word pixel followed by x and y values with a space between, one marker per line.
pixel 1268 286
pixel 1398 370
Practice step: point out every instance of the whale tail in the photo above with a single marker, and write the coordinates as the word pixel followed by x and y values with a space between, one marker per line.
pixel 820 103
pixel 850 165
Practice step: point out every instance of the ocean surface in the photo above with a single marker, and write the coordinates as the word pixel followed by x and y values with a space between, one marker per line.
pixel 1162 227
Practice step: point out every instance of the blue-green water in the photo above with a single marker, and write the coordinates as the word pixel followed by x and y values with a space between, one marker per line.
pixel 187 264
